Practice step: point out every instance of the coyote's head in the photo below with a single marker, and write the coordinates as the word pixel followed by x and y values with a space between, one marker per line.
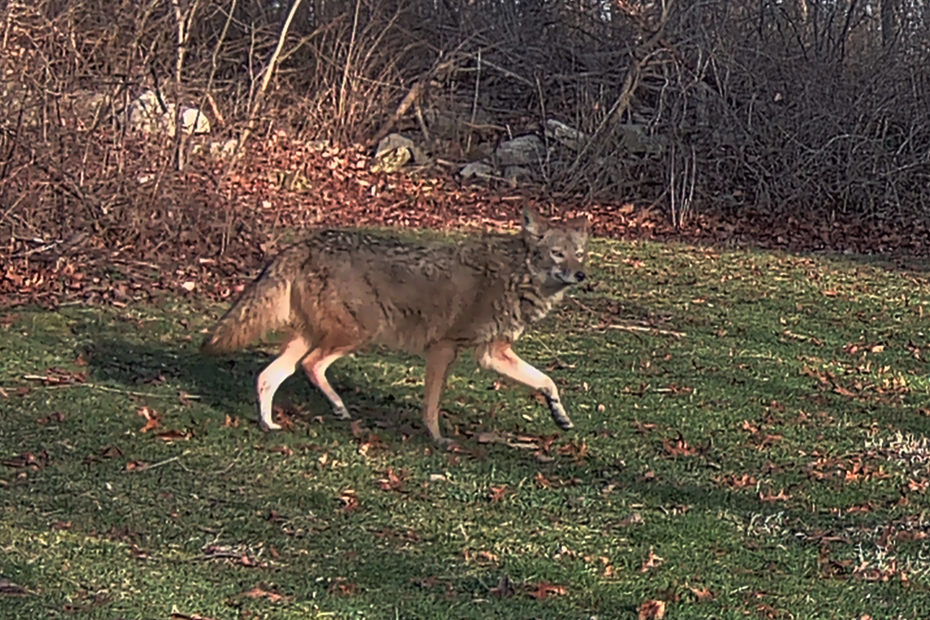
pixel 557 250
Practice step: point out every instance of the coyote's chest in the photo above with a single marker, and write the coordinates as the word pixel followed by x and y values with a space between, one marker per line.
pixel 523 304
pixel 534 303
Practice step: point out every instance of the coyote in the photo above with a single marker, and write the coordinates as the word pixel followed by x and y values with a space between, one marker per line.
pixel 339 290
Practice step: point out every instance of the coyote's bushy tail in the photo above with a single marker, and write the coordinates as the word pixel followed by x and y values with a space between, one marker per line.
pixel 265 305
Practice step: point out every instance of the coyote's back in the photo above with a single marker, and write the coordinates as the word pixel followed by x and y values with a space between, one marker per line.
pixel 340 290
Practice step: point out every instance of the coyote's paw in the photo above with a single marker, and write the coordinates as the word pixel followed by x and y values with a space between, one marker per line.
pixel 269 425
pixel 444 442
pixel 341 413
pixel 559 416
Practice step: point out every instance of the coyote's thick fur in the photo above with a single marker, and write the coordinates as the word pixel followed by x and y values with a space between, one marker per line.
pixel 340 290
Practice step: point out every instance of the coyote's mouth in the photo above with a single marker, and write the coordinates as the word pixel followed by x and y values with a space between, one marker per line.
pixel 570 277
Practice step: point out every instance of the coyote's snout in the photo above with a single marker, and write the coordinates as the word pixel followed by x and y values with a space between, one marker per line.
pixel 570 274
pixel 340 290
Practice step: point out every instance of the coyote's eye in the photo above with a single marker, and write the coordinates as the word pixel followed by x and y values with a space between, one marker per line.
pixel 558 254
pixel 579 254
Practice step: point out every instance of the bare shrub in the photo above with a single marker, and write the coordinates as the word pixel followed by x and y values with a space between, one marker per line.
pixel 798 107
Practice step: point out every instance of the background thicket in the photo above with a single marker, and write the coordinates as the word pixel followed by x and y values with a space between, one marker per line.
pixel 803 108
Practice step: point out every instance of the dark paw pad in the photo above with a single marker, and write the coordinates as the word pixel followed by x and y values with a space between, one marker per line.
pixel 560 417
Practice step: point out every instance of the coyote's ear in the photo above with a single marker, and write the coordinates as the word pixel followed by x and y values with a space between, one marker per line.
pixel 533 222
pixel 581 224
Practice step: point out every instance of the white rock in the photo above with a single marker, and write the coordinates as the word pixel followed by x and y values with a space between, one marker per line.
pixel 476 169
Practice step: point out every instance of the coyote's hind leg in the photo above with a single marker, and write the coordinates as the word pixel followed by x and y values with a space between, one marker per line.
pixel 271 378
pixel 315 365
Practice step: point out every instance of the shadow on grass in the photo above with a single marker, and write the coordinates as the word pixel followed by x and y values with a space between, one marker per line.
pixel 228 383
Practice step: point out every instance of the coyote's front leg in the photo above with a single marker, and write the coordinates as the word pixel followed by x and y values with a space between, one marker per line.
pixel 439 359
pixel 499 357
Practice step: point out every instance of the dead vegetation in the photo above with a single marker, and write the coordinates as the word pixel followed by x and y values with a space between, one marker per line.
pixel 761 112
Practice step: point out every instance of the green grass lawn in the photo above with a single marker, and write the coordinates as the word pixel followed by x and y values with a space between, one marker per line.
pixel 751 441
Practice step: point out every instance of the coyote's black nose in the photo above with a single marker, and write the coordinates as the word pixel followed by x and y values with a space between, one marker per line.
pixel 579 276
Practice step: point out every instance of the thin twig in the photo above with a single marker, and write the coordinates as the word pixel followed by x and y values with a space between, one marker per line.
pixel 96 386
pixel 177 458
pixel 347 70
pixel 582 306
pixel 413 95
pixel 474 102
pixel 650 330
pixel 152 466
pixel 218 472
pixel 266 79
pixel 631 82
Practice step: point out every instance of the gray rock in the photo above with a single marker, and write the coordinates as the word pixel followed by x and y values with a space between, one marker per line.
pixel 565 135
pixel 522 150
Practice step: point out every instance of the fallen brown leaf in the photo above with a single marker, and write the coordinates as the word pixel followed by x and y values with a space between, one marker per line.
pixel 498 493
pixel 427 582
pixel 138 553
pixel 652 561
pixel 651 610
pixel 860 508
pixel 392 482
pixel 487 556
pixel 343 587
pixel 54 417
pixel 543 589
pixel 839 389
pixel 738 482
pixel 633 519
pixel 679 447
pixel 576 450
pixel 151 419
pixel 504 588
pixel 111 452
pixel 27 459
pixel 283 419
pixel 702 594
pixel 349 500
pixel 272 596
pixel 769 497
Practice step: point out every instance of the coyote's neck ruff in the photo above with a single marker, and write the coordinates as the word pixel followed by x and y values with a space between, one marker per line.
pixel 340 290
